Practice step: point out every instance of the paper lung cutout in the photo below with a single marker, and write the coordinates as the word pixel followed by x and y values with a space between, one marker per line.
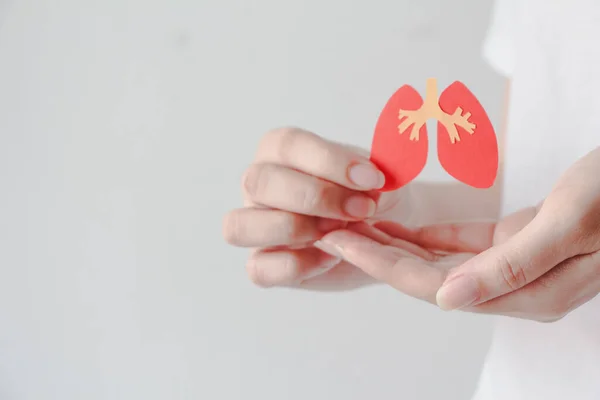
pixel 473 160
pixel 397 156
pixel 467 146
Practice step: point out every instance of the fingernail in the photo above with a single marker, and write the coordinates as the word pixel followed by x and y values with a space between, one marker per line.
pixel 457 293
pixel 329 248
pixel 328 224
pixel 366 176
pixel 360 206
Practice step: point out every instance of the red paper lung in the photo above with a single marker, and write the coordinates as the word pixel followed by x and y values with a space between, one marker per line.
pixel 400 157
pixel 473 159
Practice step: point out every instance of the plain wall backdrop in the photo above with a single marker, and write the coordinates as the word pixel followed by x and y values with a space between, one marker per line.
pixel 125 127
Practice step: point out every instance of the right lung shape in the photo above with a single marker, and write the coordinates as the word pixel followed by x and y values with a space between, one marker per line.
pixel 401 156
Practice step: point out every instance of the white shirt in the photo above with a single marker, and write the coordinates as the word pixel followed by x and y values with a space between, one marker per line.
pixel 549 51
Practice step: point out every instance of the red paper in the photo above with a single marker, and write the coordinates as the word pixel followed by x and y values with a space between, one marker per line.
pixel 474 159
pixel 396 155
pixel 467 146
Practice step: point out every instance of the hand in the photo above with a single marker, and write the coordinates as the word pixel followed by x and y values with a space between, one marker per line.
pixel 552 264
pixel 539 263
pixel 299 187
pixel 416 261
pixel 413 261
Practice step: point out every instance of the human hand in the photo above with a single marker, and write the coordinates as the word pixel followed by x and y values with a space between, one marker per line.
pixel 299 187
pixel 395 260
pixel 552 264
pixel 539 263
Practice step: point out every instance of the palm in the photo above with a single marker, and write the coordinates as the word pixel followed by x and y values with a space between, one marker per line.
pixel 344 275
pixel 426 249
pixel 416 261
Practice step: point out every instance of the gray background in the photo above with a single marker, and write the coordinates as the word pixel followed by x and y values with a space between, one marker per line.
pixel 124 129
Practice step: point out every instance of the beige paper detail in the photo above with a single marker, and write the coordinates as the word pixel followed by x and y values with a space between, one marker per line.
pixel 431 109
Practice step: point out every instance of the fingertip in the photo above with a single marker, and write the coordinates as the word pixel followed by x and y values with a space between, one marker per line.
pixel 360 206
pixel 366 176
pixel 255 274
pixel 458 292
pixel 228 228
pixel 274 268
pixel 280 268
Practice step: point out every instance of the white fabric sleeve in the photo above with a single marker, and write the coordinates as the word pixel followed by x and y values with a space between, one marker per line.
pixel 498 45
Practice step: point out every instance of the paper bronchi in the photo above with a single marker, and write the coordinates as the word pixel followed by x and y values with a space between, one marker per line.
pixel 466 142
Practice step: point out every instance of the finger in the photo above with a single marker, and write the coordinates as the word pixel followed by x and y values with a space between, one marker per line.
pixel 473 237
pixel 398 268
pixel 509 226
pixel 255 227
pixel 382 237
pixel 553 295
pixel 268 268
pixel 286 189
pixel 504 268
pixel 313 155
pixel 344 276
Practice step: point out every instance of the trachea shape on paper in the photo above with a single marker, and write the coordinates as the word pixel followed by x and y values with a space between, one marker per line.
pixel 467 146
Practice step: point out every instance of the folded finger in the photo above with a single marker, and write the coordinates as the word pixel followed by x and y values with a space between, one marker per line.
pixel 304 151
pixel 256 227
pixel 268 268
pixel 282 188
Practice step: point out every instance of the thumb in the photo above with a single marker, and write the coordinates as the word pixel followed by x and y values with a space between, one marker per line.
pixel 506 267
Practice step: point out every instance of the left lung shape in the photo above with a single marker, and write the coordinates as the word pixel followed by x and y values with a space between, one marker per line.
pixel 473 158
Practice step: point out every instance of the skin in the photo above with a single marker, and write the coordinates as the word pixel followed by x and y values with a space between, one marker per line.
pixel 301 186
pixel 298 188
pixel 540 263
pixel 313 219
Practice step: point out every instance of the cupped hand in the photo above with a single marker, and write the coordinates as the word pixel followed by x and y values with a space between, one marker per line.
pixel 417 261
pixel 539 263
pixel 299 187
pixel 553 262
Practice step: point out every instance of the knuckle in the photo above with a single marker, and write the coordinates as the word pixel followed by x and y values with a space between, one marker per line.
pixel 289 142
pixel 512 273
pixel 286 139
pixel 291 226
pixel 313 196
pixel 278 133
pixel 255 180
pixel 323 156
pixel 256 274
pixel 274 135
pixel 232 228
pixel 286 270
